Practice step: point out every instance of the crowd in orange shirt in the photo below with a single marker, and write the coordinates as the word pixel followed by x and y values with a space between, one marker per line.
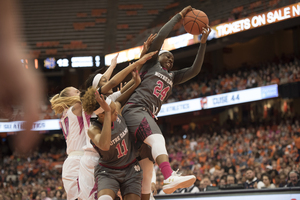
pixel 35 177
pixel 209 155
pixel 265 149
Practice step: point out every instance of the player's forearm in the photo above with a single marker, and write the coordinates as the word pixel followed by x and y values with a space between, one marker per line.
pixel 109 71
pixel 105 138
pixel 163 33
pixel 118 78
pixel 189 73
pixel 197 65
pixel 125 96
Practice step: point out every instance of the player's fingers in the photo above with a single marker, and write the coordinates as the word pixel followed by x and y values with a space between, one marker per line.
pixel 153 36
pixel 209 29
pixel 149 38
pixel 153 52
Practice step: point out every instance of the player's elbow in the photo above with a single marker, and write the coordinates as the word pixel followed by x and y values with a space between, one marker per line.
pixel 104 147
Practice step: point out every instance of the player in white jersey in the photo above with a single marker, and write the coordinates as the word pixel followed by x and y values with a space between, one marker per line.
pixel 67 103
pixel 88 190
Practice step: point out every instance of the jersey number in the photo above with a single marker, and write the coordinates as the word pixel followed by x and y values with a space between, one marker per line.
pixel 159 90
pixel 118 147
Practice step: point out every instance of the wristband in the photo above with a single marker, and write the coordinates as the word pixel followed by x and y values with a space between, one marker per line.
pixel 181 14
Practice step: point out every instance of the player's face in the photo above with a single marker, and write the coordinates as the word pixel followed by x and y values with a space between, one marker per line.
pixel 166 60
pixel 73 92
pixel 114 112
pixel 102 82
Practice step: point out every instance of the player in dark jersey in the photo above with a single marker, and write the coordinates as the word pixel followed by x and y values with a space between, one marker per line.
pixel 118 167
pixel 90 157
pixel 146 101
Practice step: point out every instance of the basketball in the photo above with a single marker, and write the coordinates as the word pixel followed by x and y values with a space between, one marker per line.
pixel 194 21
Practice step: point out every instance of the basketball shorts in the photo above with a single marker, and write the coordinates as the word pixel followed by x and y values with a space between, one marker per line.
pixel 140 123
pixel 86 175
pixel 128 180
pixel 70 174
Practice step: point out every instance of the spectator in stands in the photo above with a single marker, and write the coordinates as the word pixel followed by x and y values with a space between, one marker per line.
pixel 230 179
pixel 222 182
pixel 282 180
pixel 229 166
pixel 266 182
pixel 44 195
pixel 57 195
pixel 251 180
pixel 191 189
pixel 293 179
pixel 204 183
pixel 297 144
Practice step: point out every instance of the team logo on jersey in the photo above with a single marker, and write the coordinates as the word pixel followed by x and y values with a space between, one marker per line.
pixel 137 168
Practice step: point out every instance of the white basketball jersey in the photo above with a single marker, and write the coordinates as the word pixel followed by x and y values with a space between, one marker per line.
pixel 73 129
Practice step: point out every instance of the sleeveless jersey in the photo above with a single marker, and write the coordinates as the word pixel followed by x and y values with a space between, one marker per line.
pixel 121 152
pixel 156 86
pixel 73 130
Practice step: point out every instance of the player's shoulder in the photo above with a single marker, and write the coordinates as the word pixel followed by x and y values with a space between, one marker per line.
pixel 77 109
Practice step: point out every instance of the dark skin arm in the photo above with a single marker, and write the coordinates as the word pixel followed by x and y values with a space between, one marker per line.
pixel 102 138
pixel 164 32
pixel 186 74
pixel 125 96
pixel 114 81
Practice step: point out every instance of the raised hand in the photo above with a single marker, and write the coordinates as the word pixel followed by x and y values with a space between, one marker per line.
pixel 147 44
pixel 114 60
pixel 205 33
pixel 186 10
pixel 102 102
pixel 136 76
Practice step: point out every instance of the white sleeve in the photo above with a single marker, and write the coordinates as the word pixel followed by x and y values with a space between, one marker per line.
pixel 260 184
pixel 161 192
pixel 114 96
pixel 153 180
pixel 195 190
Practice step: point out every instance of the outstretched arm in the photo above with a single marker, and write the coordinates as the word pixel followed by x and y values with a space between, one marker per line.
pixel 114 81
pixel 111 68
pixel 147 44
pixel 186 74
pixel 165 30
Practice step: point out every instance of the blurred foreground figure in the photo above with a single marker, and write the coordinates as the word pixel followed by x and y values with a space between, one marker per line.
pixel 19 86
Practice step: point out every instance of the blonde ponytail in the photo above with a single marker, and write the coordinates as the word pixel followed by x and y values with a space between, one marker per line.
pixel 60 102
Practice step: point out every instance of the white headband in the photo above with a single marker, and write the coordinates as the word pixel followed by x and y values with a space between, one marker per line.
pixel 100 110
pixel 163 51
pixel 96 80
